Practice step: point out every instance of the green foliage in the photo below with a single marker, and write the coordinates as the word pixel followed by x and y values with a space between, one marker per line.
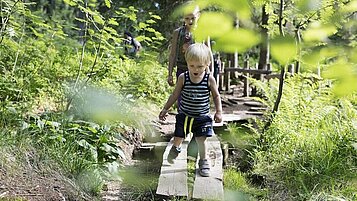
pixel 231 43
pixel 94 142
pixel 309 146
pixel 238 187
pixel 239 136
pixel 283 49
pixel 40 58
pixel 140 80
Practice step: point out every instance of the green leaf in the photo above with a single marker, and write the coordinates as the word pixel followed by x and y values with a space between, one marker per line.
pixel 213 25
pixel 93 130
pixel 108 3
pixel 98 19
pixel 350 7
pixel 241 7
pixel 70 2
pixel 309 5
pixel 156 17
pixel 150 21
pixel 237 40
pixel 112 21
pixel 345 77
pixel 318 32
pixel 313 58
pixel 283 49
pixel 143 25
pixel 151 30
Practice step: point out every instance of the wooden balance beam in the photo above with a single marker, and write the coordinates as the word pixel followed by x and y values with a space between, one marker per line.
pixel 173 177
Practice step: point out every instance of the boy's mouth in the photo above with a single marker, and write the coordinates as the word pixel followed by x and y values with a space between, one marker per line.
pixel 195 74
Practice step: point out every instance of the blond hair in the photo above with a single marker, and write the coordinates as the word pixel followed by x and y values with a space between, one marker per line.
pixel 198 52
pixel 188 8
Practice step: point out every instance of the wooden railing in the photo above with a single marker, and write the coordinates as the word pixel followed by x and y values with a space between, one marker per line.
pixel 225 74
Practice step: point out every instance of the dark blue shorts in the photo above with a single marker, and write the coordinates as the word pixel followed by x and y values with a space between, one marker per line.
pixel 199 126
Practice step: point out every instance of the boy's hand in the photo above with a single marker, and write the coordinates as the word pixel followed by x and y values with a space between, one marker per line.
pixel 163 114
pixel 218 117
pixel 170 80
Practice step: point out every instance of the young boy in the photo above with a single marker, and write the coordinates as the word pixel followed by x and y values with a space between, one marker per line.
pixel 194 86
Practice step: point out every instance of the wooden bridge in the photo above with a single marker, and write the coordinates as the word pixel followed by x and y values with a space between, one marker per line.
pixel 173 180
pixel 173 177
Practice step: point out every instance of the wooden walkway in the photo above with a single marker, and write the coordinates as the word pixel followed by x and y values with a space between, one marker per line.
pixel 173 180
pixel 173 177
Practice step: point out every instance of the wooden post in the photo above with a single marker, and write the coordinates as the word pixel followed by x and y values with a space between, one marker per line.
pixel 221 78
pixel 246 81
pixel 227 78
pixel 225 150
pixel 291 69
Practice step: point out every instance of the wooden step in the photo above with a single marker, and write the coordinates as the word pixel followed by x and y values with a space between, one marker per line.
pixel 258 108
pixel 211 187
pixel 238 116
pixel 173 177
pixel 255 113
pixel 253 103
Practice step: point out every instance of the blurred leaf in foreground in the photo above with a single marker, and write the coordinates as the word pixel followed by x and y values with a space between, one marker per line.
pixel 283 49
pixel 237 40
pixel 345 77
pixel 213 25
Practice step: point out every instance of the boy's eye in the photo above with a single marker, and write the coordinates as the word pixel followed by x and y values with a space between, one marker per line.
pixel 190 18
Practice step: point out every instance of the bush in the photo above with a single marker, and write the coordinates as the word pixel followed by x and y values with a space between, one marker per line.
pixel 309 145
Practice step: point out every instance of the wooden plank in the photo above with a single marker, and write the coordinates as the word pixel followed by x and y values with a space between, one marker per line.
pixel 258 109
pixel 211 188
pixel 173 177
pixel 235 117
pixel 254 113
pixel 154 144
pixel 254 103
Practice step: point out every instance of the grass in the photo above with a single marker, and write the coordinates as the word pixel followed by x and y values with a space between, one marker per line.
pixel 308 146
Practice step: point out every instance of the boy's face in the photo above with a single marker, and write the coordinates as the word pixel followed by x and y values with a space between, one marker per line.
pixel 196 68
pixel 191 19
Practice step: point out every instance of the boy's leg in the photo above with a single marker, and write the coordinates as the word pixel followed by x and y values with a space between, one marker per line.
pixel 178 138
pixel 175 149
pixel 202 146
pixel 203 163
pixel 192 149
pixel 203 129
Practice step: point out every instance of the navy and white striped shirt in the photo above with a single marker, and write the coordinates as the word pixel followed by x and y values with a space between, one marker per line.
pixel 195 97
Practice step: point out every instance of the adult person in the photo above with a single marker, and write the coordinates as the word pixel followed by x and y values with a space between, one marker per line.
pixel 131 45
pixel 182 37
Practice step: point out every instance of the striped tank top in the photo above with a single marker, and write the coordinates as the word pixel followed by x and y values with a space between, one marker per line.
pixel 195 97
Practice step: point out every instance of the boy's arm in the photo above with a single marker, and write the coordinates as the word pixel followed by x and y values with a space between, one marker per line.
pixel 173 97
pixel 216 99
pixel 172 56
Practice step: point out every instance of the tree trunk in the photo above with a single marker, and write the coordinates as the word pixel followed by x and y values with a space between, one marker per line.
pixel 298 42
pixel 264 48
